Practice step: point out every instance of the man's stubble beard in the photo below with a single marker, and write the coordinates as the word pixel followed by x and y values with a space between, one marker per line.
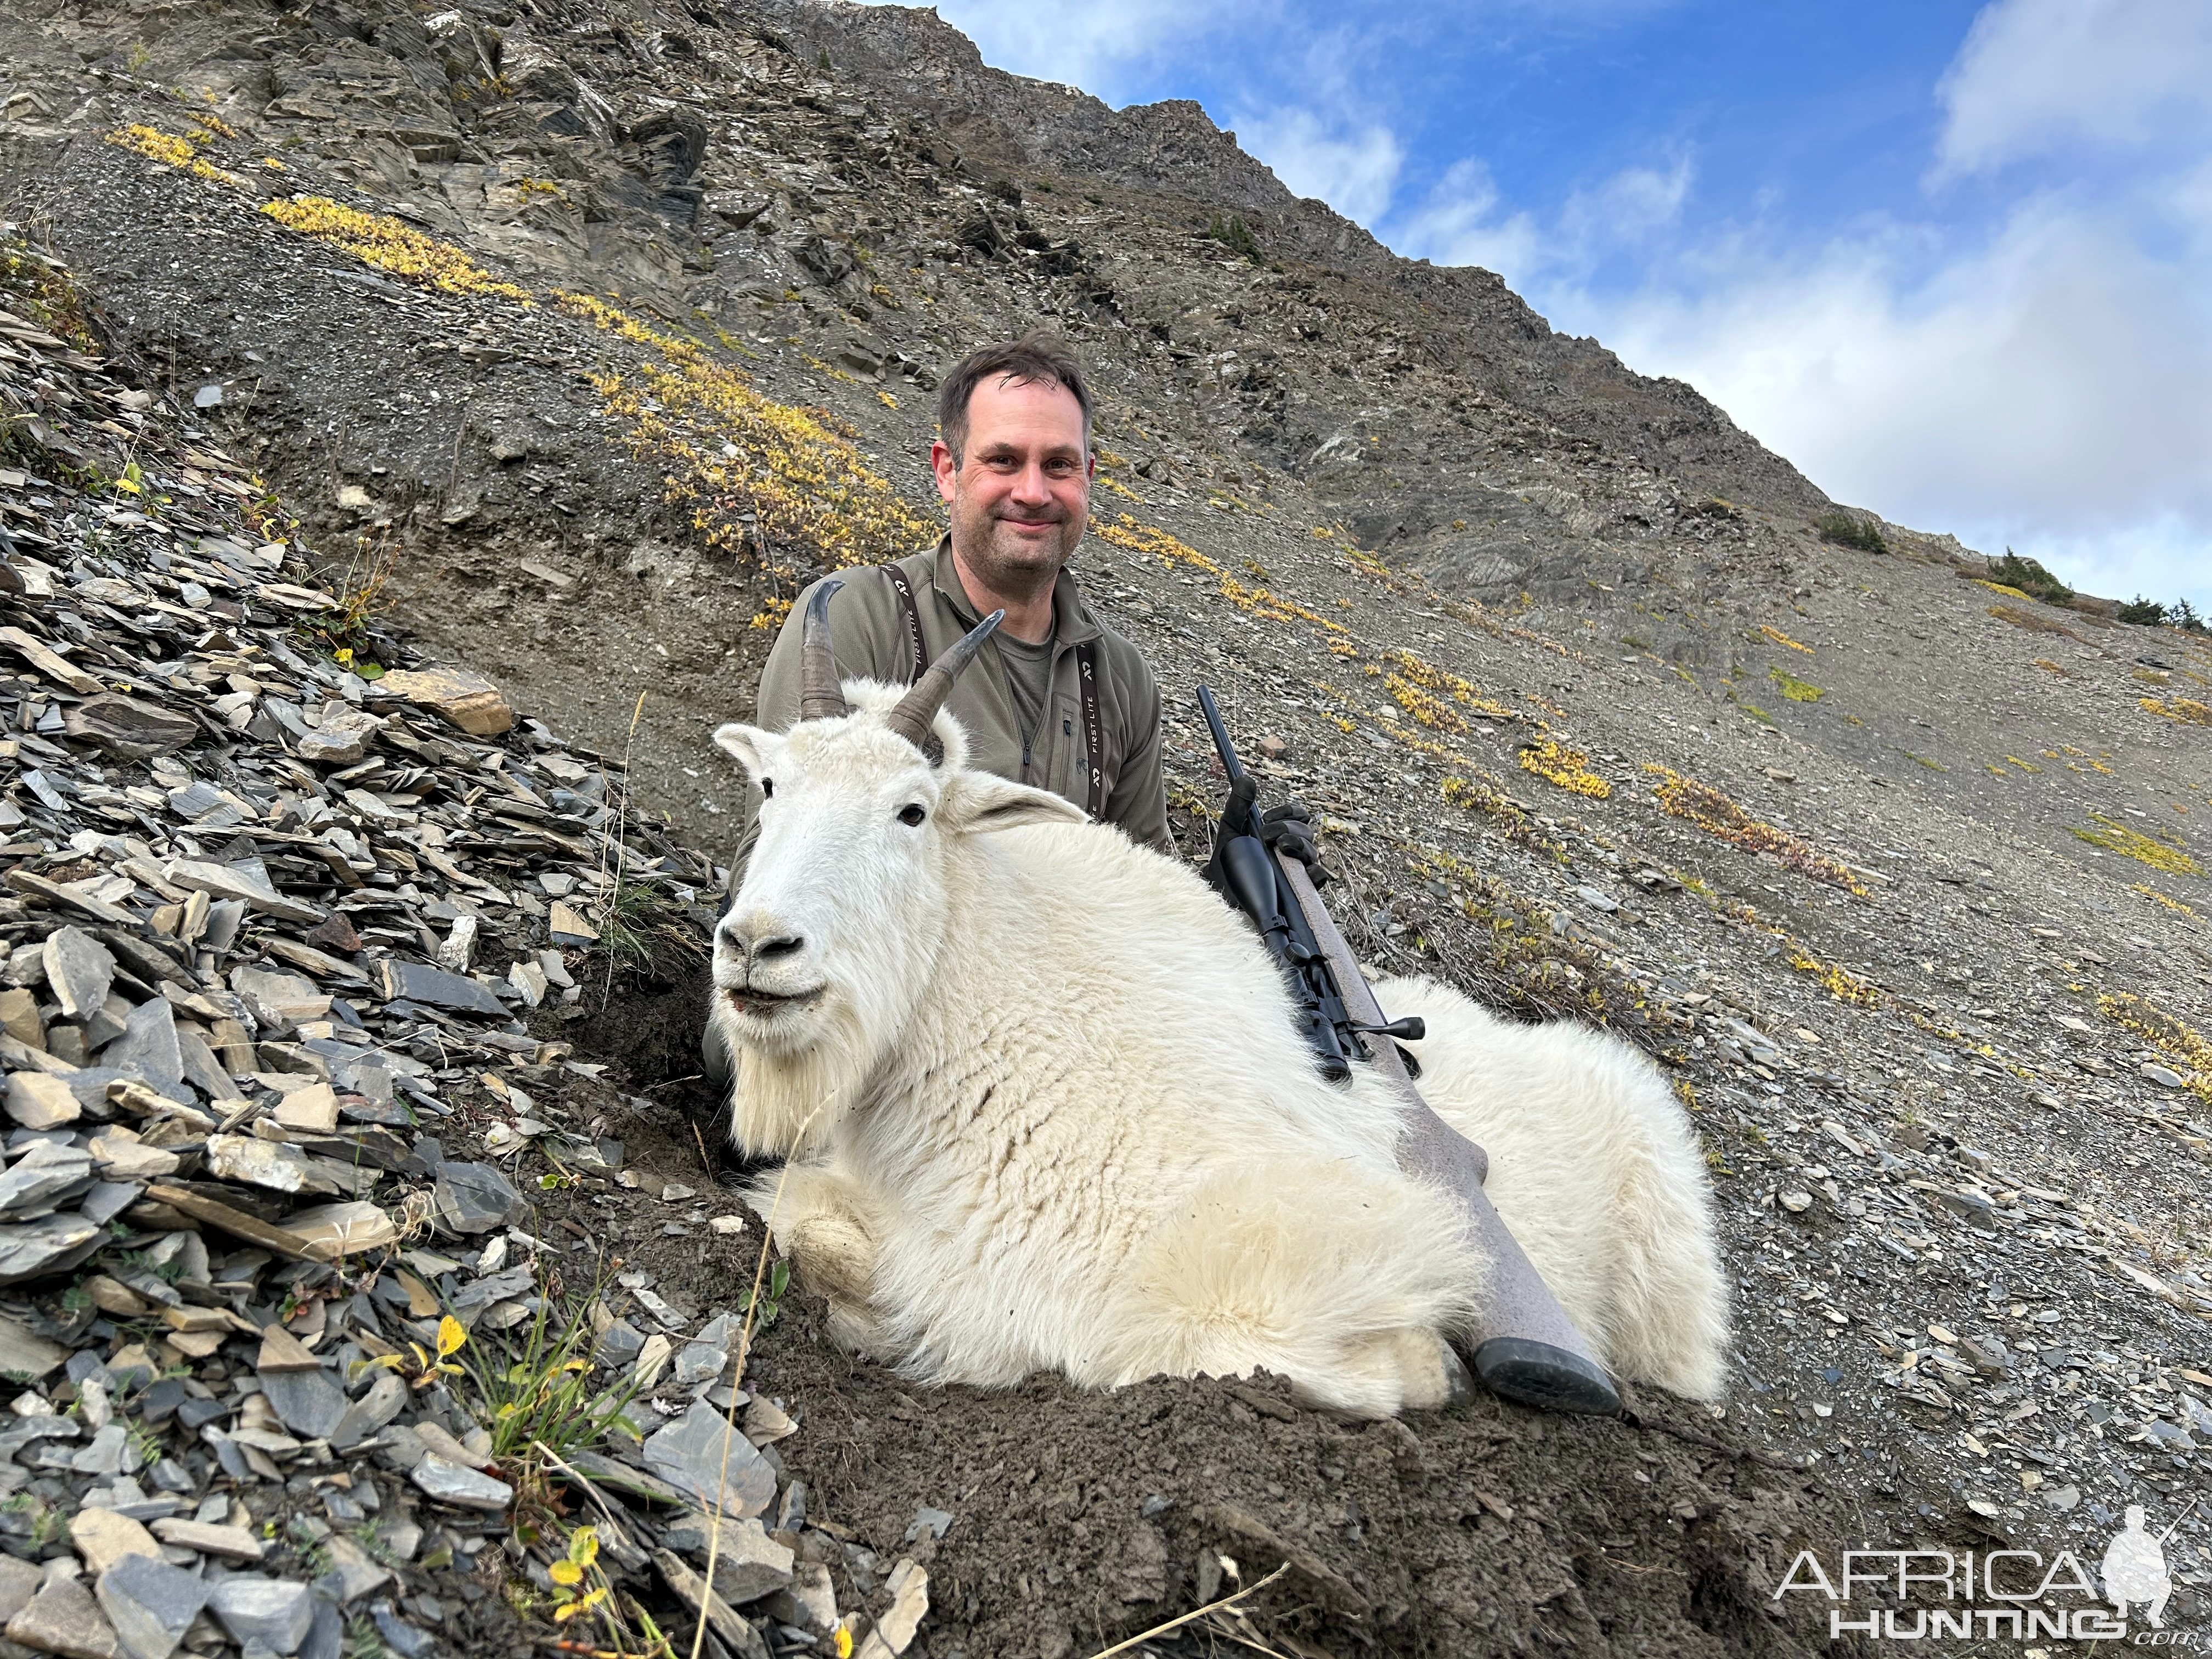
pixel 1009 570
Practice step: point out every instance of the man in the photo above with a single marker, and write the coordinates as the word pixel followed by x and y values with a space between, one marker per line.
pixel 1057 699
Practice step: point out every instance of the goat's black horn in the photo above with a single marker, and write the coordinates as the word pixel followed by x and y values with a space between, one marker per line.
pixel 916 710
pixel 820 697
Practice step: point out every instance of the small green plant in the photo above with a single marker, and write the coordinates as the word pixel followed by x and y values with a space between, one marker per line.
pixel 1236 236
pixel 452 1336
pixel 1849 530
pixel 779 1281
pixel 360 589
pixel 636 915
pixel 570 1598
pixel 1932 765
pixel 139 56
pixel 1796 690
pixel 538 1394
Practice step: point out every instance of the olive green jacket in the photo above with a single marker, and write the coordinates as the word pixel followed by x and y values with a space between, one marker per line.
pixel 868 625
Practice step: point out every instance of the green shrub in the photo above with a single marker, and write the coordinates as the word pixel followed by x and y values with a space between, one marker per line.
pixel 1236 235
pixel 1849 530
pixel 2029 576
pixel 2146 613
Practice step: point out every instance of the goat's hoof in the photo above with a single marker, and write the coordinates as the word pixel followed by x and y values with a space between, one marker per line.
pixel 1552 1379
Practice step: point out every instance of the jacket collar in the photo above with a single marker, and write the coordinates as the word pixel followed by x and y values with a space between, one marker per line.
pixel 1072 620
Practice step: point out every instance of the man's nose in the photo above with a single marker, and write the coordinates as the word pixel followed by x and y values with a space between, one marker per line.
pixel 1032 486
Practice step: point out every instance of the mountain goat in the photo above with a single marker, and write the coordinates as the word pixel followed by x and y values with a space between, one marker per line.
pixel 1044 1106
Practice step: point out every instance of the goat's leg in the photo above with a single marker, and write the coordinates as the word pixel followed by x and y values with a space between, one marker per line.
pixel 820 1220
pixel 1354 1313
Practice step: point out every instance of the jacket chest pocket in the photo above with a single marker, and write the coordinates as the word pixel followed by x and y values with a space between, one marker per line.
pixel 1069 777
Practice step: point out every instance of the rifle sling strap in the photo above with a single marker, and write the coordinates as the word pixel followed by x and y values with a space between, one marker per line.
pixel 1086 677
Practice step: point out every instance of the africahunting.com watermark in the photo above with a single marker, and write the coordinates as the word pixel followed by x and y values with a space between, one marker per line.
pixel 2018 1595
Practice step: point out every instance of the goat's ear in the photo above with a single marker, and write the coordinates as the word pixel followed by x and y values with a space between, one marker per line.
pixel 976 802
pixel 750 747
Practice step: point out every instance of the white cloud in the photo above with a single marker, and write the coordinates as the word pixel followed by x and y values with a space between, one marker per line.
pixel 1353 166
pixel 2037 75
pixel 1457 223
pixel 1091 44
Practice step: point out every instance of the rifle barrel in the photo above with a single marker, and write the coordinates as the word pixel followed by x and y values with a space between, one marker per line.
pixel 1222 746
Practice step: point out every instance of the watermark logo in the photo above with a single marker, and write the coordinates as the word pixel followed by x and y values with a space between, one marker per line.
pixel 2014 1593
pixel 2135 1568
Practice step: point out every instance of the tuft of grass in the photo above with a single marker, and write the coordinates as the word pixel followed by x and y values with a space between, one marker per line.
pixel 1796 690
pixel 2116 837
pixel 2030 621
pixel 1932 765
pixel 2182 711
pixel 536 1395
pixel 1768 631
pixel 1554 761
pixel 2189 1050
pixel 389 245
pixel 1236 236
pixel 1702 805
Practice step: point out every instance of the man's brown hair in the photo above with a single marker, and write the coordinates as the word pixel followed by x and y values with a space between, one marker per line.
pixel 1043 358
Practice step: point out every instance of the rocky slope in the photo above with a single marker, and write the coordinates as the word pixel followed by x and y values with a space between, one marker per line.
pixel 572 337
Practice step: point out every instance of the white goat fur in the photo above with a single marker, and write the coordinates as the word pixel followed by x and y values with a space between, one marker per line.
pixel 1047 1110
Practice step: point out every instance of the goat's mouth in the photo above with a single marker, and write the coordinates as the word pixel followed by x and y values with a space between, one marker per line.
pixel 751 999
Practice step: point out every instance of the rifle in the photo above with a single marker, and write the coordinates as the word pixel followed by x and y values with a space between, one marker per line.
pixel 1248 869
pixel 1528 1349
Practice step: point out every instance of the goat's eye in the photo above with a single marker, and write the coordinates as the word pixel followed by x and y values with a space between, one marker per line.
pixel 911 814
pixel 768 787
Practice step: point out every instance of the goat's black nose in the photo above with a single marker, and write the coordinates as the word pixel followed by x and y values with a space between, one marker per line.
pixel 767 945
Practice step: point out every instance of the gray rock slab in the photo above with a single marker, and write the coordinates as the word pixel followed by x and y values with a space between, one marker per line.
pixel 64 1619
pixel 244 884
pixel 274 1612
pixel 26 1354
pixel 148 1045
pixel 418 982
pixel 749 1564
pixel 453 1483
pixel 104 1200
pixel 475 1198
pixel 354 1572
pixel 309 1403
pixel 150 1604
pixel 46 1245
pixel 18 1583
pixel 689 1455
pixel 386 1399
pixel 80 970
pixel 326 1636
pixel 46 1171
pixel 275 1164
pixel 209 1538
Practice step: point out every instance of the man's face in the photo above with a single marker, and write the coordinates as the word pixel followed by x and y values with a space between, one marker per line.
pixel 1019 500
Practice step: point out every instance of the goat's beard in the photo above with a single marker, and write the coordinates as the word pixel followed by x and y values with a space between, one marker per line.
pixel 790 1093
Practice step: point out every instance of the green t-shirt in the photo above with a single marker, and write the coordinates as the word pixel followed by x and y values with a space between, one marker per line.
pixel 1028 677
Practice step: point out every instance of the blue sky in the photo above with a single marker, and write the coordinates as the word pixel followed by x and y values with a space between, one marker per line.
pixel 1953 259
